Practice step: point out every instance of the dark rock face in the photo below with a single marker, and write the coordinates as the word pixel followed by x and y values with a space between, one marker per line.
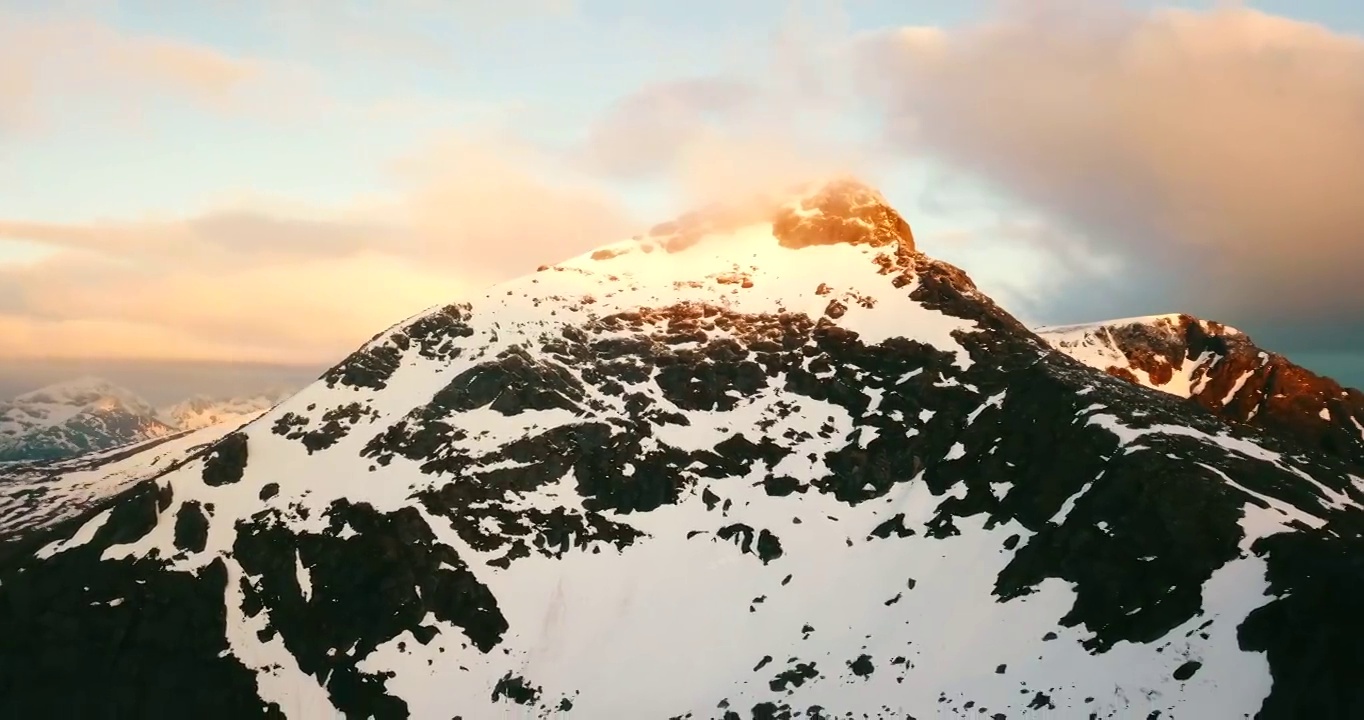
pixel 362 591
pixel 433 335
pixel 729 432
pixel 1312 632
pixel 1239 382
pixel 191 527
pixel 138 641
pixel 226 460
pixel 335 425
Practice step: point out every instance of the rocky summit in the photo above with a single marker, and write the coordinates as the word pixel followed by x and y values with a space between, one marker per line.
pixel 766 463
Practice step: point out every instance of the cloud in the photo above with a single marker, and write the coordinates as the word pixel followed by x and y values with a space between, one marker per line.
pixel 259 285
pixel 1220 151
pixel 403 37
pixel 305 311
pixel 499 207
pixel 755 124
pixel 247 281
pixel 220 238
pixel 49 58
pixel 646 130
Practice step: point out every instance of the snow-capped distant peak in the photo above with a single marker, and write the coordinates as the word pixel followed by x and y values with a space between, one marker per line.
pixel 1152 350
pixel 87 414
pixel 74 417
pixel 85 392
pixel 202 411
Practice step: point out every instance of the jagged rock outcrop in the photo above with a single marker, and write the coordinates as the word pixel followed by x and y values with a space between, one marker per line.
pixel 1222 370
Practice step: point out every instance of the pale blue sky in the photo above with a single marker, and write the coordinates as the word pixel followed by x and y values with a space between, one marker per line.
pixel 356 85
pixel 565 69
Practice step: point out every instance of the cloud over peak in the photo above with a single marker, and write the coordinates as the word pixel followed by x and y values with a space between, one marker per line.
pixel 1222 147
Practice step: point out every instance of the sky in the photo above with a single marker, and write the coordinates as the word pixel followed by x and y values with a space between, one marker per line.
pixel 232 192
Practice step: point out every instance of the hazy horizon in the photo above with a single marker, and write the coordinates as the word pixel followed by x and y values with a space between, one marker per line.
pixel 159 382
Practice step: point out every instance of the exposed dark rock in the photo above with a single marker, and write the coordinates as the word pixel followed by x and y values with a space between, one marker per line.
pixel 1187 670
pixel 434 335
pixel 862 666
pixel 516 689
pixel 336 424
pixel 100 652
pixel 1313 633
pixel 225 461
pixel 1235 380
pixel 793 677
pixel 365 590
pixel 767 548
pixel 370 367
pixel 191 527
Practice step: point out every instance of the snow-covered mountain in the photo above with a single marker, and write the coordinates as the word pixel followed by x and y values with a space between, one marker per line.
pixel 88 414
pixel 39 494
pixel 1221 369
pixel 768 461
pixel 202 411
pixel 75 417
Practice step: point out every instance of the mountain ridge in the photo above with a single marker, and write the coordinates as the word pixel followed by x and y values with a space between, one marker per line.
pixel 1222 370
pixel 733 469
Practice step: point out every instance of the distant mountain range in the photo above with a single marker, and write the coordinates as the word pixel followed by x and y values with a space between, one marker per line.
pixel 88 414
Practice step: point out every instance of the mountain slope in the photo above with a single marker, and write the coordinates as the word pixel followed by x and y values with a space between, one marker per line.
pixel 767 462
pixel 1221 369
pixel 39 494
pixel 74 417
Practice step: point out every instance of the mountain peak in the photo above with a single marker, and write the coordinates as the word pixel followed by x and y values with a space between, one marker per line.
pixel 841 210
pixel 837 210
pixel 83 391
pixel 72 417
pixel 566 487
pixel 88 414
